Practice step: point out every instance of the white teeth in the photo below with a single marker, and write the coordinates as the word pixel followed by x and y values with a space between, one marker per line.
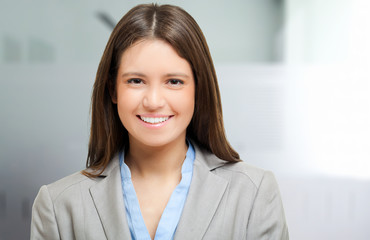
pixel 154 120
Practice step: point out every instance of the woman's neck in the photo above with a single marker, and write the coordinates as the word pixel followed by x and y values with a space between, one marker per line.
pixel 164 161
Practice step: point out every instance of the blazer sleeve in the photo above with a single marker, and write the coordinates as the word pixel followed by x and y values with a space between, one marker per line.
pixel 43 223
pixel 267 218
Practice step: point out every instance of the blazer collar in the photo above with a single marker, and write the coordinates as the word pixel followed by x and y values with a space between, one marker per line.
pixel 205 194
pixel 108 200
pixel 207 159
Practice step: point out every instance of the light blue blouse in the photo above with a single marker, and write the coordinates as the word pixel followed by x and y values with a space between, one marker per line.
pixel 171 215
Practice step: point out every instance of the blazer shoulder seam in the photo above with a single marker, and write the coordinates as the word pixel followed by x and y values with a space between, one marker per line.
pixel 59 190
pixel 256 182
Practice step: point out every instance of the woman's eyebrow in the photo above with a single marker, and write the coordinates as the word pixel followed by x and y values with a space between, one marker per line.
pixel 177 75
pixel 133 74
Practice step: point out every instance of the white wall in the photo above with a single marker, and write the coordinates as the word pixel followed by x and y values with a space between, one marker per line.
pixel 327 32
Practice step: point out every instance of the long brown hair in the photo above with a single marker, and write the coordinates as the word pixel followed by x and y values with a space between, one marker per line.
pixel 175 26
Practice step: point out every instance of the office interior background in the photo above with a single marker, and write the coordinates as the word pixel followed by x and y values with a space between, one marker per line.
pixel 294 77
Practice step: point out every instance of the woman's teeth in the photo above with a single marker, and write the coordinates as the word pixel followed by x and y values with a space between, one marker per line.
pixel 154 120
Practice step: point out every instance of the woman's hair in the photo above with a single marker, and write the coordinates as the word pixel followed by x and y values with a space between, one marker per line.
pixel 176 27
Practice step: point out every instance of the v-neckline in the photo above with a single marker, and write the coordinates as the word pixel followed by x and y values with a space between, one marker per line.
pixel 170 216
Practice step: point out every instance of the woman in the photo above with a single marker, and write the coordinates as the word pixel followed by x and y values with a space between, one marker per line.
pixel 159 165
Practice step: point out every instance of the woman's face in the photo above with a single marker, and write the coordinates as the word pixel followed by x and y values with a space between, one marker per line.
pixel 155 93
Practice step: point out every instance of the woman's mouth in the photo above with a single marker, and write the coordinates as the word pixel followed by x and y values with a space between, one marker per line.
pixel 154 120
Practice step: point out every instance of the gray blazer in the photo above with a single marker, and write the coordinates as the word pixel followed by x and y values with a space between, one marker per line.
pixel 225 201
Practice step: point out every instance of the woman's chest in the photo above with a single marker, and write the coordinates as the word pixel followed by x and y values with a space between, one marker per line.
pixel 153 199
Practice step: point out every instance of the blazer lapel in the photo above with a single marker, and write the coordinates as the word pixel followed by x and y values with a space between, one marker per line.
pixel 108 200
pixel 203 199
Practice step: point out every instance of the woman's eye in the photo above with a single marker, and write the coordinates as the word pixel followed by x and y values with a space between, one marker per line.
pixel 175 82
pixel 134 81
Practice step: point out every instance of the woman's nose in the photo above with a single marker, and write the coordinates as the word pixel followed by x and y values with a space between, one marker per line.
pixel 153 98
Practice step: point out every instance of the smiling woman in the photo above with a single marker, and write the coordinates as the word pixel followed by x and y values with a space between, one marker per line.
pixel 159 164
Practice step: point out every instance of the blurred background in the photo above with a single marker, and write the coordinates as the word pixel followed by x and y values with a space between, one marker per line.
pixel 295 84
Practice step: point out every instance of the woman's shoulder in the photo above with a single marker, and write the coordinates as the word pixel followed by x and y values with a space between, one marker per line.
pixel 248 172
pixel 64 184
pixel 78 181
pixel 239 172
